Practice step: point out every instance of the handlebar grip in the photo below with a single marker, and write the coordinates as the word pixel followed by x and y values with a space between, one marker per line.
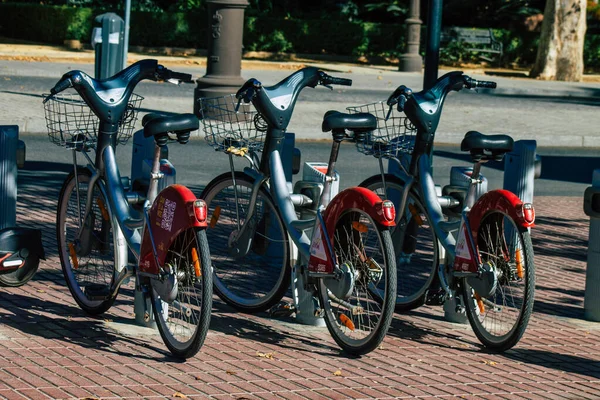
pixel 183 77
pixel 60 86
pixel 339 81
pixel 486 84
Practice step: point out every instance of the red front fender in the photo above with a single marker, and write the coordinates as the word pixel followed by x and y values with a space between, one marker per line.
pixel 505 202
pixel 172 213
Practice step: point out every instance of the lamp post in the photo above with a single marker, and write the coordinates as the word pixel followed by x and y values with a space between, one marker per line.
pixel 224 59
pixel 411 61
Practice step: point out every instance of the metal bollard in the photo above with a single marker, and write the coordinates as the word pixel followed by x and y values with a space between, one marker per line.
pixel 591 206
pixel 108 43
pixel 9 136
pixel 521 167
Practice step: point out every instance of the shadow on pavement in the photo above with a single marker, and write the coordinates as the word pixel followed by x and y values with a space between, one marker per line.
pixel 51 320
pixel 562 362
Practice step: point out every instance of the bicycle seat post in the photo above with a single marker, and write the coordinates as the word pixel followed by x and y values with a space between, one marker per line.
pixel 338 136
pixel 155 175
pixel 472 192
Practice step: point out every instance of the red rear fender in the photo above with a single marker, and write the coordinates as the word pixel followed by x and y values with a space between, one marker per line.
pixel 172 212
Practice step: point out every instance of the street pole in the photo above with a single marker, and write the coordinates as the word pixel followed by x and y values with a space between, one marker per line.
pixel 126 37
pixel 224 58
pixel 432 52
pixel 411 61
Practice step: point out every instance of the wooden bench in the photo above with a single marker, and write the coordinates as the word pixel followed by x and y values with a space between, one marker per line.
pixel 481 41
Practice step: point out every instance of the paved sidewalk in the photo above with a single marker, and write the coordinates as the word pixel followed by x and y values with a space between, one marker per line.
pixel 50 349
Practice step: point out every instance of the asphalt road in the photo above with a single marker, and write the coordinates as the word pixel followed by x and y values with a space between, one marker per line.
pixel 564 172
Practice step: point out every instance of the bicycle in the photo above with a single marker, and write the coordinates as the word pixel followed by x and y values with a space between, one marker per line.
pixel 488 269
pixel 100 218
pixel 256 236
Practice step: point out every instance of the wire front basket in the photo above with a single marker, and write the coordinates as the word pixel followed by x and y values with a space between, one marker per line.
pixel 70 121
pixel 225 128
pixel 392 136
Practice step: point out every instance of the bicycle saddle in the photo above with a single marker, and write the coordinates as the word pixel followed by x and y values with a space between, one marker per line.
pixel 360 122
pixel 478 143
pixel 157 124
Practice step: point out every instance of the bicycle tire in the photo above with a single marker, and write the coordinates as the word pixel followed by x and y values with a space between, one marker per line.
pixel 99 259
pixel 193 273
pixel 259 279
pixel 22 275
pixel 416 253
pixel 365 250
pixel 494 246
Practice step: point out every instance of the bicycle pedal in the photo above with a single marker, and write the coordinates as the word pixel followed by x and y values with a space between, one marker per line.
pixel 282 309
pixel 435 298
pixel 97 292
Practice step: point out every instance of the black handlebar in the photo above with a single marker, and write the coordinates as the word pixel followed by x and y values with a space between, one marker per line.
pixel 108 98
pixel 471 83
pixel 332 80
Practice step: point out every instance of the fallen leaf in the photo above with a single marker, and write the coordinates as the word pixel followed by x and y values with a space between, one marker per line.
pixel 89 398
pixel 108 320
pixel 264 355
pixel 41 291
pixel 379 77
pixel 337 373
pixel 179 395
pixel 486 362
pixel 231 372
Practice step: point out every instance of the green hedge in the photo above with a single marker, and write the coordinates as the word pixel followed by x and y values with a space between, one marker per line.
pixel 44 23
pixel 53 24
pixel 320 36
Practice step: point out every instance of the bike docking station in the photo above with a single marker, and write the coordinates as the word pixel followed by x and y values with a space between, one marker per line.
pixel 141 167
pixel 312 183
pixel 20 248
pixel 591 207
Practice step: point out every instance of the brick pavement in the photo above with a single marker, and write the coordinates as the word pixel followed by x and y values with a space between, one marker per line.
pixel 50 349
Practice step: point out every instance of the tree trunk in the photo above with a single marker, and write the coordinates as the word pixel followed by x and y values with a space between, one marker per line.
pixel 560 52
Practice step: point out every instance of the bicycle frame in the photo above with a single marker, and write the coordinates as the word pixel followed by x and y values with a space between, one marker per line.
pixel 173 210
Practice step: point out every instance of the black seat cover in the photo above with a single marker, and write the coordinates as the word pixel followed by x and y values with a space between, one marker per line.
pixel 353 122
pixel 497 144
pixel 156 124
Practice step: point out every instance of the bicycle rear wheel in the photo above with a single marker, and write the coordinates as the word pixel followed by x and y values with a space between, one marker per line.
pixel 414 241
pixel 500 319
pixel 88 262
pixel 183 324
pixel 359 307
pixel 251 270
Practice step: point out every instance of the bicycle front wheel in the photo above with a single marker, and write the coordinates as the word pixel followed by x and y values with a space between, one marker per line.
pixel 250 256
pixel 183 324
pixel 360 305
pixel 500 319
pixel 88 259
pixel 415 243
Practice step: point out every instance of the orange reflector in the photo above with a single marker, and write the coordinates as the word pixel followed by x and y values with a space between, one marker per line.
pixel 519 261
pixel 196 262
pixel 215 216
pixel 415 214
pixel 102 207
pixel 347 322
pixel 73 254
pixel 362 228
pixel 480 303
